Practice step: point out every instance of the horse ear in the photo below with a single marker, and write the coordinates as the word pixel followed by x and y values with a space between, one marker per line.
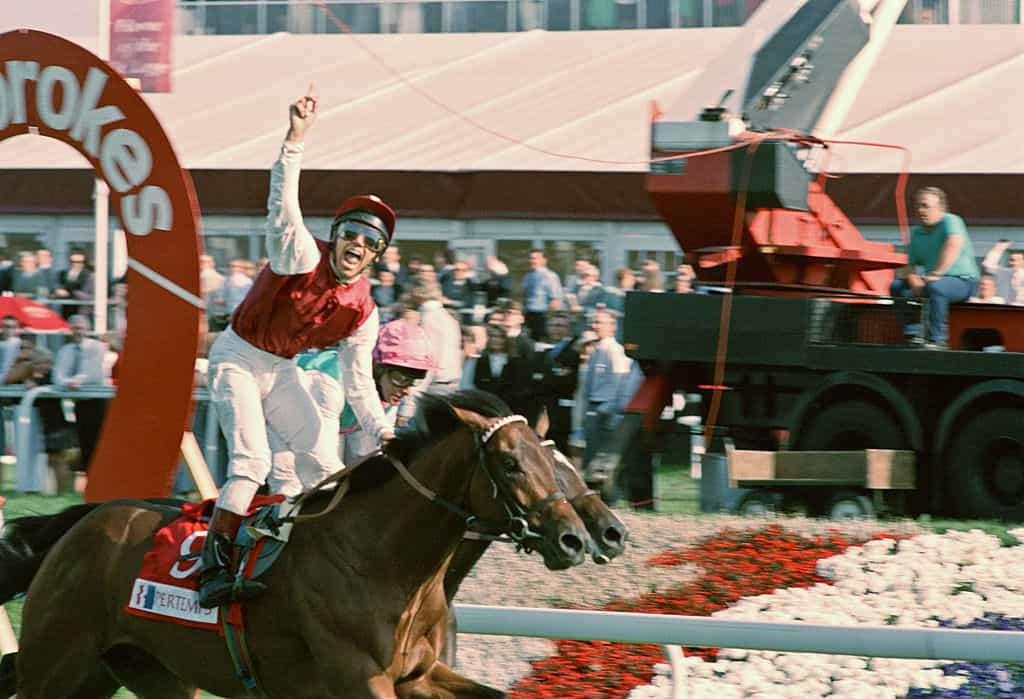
pixel 475 421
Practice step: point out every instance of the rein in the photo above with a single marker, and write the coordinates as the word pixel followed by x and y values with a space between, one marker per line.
pixel 564 459
pixel 341 478
pixel 516 526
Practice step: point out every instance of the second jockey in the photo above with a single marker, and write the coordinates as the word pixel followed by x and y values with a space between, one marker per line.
pixel 311 294
pixel 400 359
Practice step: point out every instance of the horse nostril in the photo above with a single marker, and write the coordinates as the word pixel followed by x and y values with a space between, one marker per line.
pixel 612 537
pixel 571 543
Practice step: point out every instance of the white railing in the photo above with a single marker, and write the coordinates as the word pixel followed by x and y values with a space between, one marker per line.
pixel 675 631
pixel 28 397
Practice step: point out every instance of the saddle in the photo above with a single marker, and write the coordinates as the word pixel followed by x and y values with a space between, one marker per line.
pixel 263 534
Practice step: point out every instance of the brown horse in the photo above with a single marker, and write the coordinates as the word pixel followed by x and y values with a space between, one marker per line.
pixel 608 537
pixel 355 605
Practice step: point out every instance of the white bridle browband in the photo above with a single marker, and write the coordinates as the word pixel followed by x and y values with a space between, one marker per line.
pixel 498 424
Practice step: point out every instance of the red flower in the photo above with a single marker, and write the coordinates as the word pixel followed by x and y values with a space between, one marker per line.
pixel 736 563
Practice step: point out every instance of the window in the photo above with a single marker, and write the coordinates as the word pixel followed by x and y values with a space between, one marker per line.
pixel 515 254
pixel 562 255
pixel 225 248
pixel 667 260
pixel 425 250
pixel 925 12
pixel 13 243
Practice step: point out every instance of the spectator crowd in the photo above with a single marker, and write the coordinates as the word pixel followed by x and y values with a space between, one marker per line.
pixel 551 347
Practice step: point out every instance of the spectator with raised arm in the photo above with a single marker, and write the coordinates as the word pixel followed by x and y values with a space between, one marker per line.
pixel 495 282
pixel 1009 280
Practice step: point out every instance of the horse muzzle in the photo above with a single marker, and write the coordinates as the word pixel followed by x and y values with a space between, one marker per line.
pixel 566 548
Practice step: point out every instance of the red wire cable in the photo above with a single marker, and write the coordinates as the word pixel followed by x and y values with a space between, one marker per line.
pixel 750 142
pixel 724 320
pixel 791 134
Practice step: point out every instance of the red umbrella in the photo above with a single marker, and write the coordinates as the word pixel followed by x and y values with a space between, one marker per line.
pixel 33 316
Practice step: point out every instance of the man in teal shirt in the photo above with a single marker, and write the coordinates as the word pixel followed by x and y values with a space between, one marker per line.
pixel 940 265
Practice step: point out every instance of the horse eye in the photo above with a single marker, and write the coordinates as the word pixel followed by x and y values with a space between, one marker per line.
pixel 511 465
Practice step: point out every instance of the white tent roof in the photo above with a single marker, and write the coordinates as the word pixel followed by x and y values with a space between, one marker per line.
pixel 461 102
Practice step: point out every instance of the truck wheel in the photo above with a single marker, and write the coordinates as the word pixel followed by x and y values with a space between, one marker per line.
pixel 849 504
pixel 760 503
pixel 850 426
pixel 985 465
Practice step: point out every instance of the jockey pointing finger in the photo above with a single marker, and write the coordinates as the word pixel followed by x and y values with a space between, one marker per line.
pixel 311 294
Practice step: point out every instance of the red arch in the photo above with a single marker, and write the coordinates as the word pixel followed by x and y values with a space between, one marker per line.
pixel 138 450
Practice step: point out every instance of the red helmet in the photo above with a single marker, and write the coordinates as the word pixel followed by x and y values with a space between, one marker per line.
pixel 403 344
pixel 369 210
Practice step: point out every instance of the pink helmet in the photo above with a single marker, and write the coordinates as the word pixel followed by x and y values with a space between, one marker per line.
pixel 402 344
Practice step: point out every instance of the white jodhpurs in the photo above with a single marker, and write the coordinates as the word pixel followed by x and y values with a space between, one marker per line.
pixel 330 401
pixel 251 390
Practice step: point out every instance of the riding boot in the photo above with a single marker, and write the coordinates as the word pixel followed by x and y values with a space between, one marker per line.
pixel 218 582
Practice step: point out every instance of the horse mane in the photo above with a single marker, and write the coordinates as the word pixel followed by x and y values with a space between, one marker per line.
pixel 434 420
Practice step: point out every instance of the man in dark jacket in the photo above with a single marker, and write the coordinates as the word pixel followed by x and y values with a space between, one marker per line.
pixel 556 374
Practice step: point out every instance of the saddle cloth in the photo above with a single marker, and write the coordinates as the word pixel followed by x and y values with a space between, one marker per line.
pixel 167 585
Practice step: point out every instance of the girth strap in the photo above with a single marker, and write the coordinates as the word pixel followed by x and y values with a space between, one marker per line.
pixel 238 649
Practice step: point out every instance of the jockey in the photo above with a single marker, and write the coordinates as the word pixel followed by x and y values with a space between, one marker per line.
pixel 311 294
pixel 401 358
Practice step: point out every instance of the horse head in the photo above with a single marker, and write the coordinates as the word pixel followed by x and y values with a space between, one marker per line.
pixel 607 531
pixel 515 483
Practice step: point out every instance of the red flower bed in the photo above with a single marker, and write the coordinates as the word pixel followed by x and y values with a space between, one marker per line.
pixel 735 564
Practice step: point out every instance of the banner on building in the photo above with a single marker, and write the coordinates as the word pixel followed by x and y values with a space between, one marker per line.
pixel 141 32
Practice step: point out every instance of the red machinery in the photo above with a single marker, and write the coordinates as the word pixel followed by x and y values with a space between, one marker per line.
pixel 814 347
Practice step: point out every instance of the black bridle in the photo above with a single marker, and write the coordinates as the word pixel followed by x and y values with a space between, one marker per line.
pixel 517 525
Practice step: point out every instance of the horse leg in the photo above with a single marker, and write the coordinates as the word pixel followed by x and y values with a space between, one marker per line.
pixel 8 676
pixel 348 670
pixel 99 685
pixel 144 675
pixel 42 673
pixel 444 683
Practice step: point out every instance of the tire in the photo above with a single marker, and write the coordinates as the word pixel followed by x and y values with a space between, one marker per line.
pixel 759 503
pixel 985 466
pixel 850 504
pixel 851 425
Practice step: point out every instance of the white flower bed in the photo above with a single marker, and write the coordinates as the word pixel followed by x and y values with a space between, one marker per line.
pixel 917 582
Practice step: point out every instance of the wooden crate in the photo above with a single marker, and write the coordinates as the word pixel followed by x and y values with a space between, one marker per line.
pixel 874 469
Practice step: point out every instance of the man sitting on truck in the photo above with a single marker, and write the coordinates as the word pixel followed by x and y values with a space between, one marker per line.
pixel 940 266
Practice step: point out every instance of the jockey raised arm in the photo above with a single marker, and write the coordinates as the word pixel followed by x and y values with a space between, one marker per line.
pixel 312 294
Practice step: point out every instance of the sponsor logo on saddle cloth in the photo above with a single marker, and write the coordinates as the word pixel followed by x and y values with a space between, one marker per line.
pixel 168 582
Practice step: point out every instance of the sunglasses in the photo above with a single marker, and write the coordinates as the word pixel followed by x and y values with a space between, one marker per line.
pixel 351 230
